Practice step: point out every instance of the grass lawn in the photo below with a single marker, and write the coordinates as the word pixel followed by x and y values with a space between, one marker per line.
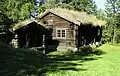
pixel 107 64
pixel 21 62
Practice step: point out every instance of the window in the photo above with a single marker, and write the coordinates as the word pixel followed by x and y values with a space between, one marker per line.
pixel 61 33
pixel 58 33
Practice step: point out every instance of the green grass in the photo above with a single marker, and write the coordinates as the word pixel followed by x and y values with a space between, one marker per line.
pixel 105 61
pixel 20 62
pixel 107 64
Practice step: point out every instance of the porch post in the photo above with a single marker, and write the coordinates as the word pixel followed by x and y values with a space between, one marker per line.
pixel 75 38
pixel 27 41
pixel 43 43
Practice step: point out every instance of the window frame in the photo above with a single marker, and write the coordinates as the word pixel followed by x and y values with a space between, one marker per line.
pixel 61 33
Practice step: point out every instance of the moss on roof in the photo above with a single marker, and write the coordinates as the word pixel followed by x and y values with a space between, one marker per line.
pixel 24 23
pixel 75 16
pixel 70 15
pixel 21 24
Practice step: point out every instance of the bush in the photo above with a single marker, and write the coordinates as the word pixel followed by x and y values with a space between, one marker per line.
pixel 85 51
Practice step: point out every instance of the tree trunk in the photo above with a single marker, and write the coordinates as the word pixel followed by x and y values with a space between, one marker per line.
pixel 114 36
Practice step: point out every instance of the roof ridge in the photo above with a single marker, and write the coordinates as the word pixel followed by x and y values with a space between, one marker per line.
pixel 74 16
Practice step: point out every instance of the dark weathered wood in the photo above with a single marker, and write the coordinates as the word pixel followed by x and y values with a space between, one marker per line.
pixel 76 36
pixel 58 22
pixel 43 43
pixel 46 35
pixel 30 35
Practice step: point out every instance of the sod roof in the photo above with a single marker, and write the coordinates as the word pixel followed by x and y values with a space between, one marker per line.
pixel 22 24
pixel 70 15
pixel 74 16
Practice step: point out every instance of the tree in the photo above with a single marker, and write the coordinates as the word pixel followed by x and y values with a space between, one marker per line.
pixel 4 20
pixel 26 11
pixel 46 5
pixel 112 11
pixel 101 14
pixel 88 6
pixel 14 9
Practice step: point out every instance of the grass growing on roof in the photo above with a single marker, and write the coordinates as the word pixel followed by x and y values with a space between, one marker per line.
pixel 21 24
pixel 75 16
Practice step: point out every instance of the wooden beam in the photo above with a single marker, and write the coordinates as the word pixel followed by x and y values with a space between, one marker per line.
pixel 75 36
pixel 44 44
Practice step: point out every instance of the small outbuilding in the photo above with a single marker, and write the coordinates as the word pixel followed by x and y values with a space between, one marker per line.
pixel 29 34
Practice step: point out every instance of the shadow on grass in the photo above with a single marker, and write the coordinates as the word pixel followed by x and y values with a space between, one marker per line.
pixel 79 55
pixel 59 66
pixel 21 62
pixel 63 61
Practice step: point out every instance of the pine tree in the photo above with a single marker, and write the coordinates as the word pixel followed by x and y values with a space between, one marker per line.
pixel 112 11
pixel 88 6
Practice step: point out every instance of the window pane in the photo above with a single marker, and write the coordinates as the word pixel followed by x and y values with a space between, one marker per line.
pixel 58 33
pixel 63 33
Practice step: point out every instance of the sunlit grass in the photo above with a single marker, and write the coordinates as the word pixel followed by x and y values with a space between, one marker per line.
pixel 21 62
pixel 103 65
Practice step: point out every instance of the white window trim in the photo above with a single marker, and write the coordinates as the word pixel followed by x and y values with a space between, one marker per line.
pixel 61 33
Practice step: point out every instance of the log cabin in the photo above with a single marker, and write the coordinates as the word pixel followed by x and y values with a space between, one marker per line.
pixel 72 29
pixel 63 29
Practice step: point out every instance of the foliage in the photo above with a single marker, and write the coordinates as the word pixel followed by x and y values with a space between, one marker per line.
pixel 26 11
pixel 80 5
pixel 48 4
pixel 14 8
pixel 4 22
pixel 13 11
pixel 85 5
pixel 17 10
pixel 112 26
pixel 67 6
pixel 101 14
pixel 85 51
